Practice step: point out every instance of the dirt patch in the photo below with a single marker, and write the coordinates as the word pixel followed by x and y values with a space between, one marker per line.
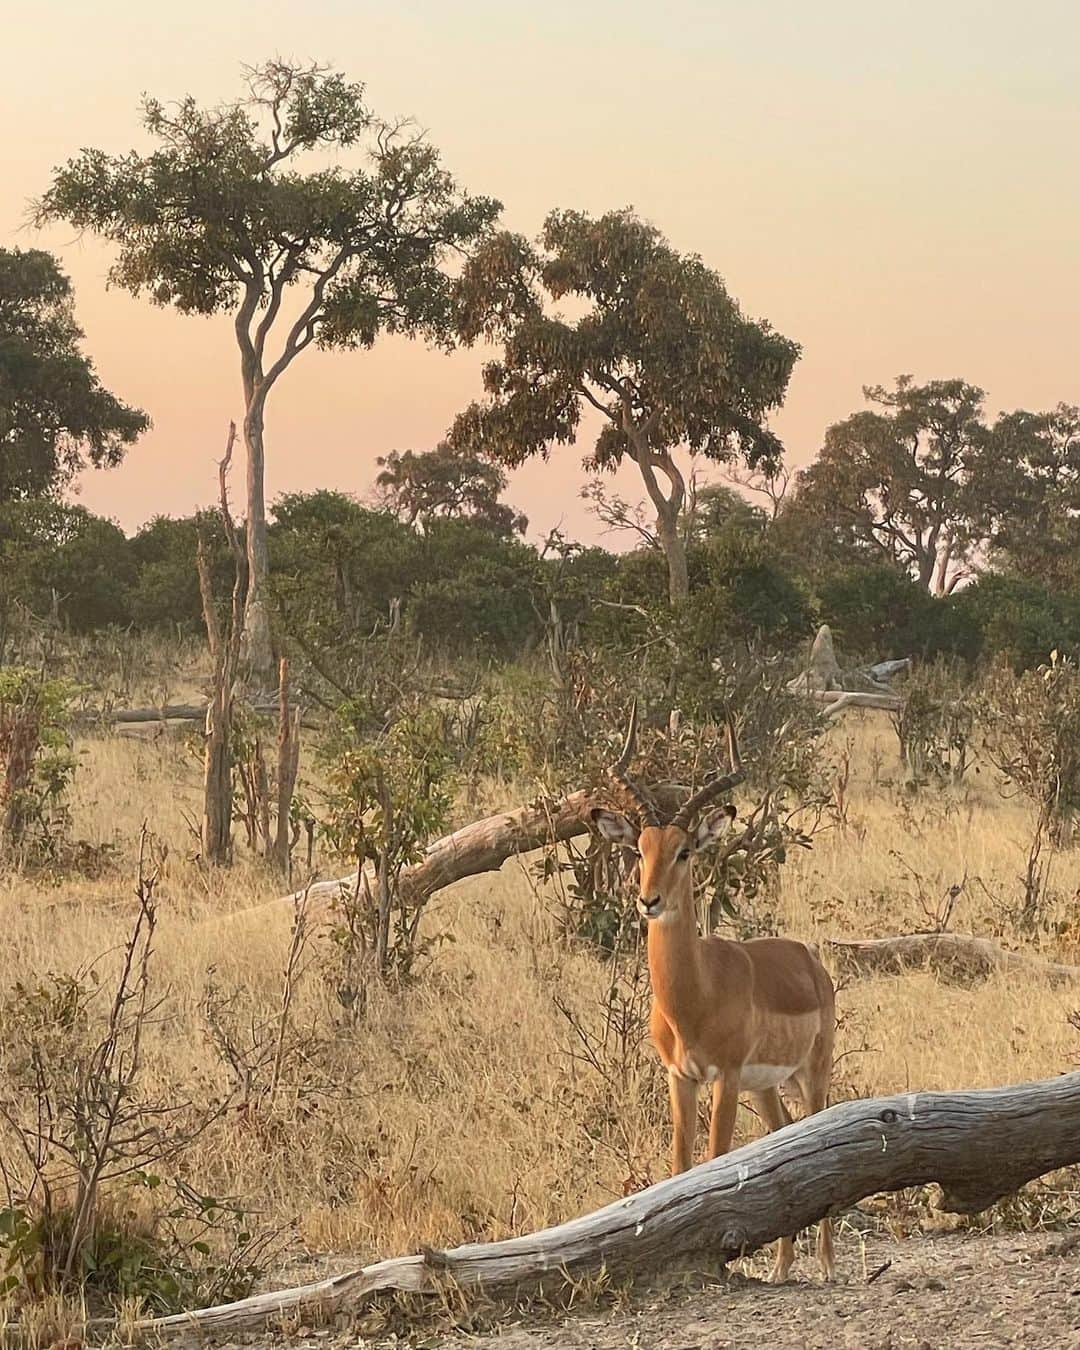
pixel 950 1291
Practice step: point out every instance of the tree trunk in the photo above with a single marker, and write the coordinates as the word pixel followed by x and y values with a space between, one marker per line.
pixel 217 787
pixel 288 765
pixel 927 563
pixel 668 507
pixel 224 653
pixel 257 651
pixel 674 546
pixel 978 1145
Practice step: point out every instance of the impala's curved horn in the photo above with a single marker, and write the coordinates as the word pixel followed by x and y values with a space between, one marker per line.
pixel 619 771
pixel 692 808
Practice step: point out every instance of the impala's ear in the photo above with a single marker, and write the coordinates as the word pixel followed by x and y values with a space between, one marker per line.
pixel 714 826
pixel 614 826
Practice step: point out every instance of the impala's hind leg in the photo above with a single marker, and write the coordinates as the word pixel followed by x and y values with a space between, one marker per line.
pixel 772 1110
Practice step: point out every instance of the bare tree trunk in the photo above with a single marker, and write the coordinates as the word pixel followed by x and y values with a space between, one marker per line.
pixel 217 784
pixel 979 1145
pixel 674 546
pixel 224 652
pixel 668 506
pixel 20 738
pixel 385 897
pixel 288 764
pixel 257 650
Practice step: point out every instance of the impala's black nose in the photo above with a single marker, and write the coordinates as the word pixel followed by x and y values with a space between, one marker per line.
pixel 650 908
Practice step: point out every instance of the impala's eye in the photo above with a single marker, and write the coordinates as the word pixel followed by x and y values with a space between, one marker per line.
pixel 683 855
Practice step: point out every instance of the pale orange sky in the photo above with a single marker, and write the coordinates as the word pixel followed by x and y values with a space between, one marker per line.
pixel 897 187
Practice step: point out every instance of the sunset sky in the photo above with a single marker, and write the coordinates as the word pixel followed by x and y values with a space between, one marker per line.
pixel 897 187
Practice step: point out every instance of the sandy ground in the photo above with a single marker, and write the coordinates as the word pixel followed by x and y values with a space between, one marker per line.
pixel 951 1291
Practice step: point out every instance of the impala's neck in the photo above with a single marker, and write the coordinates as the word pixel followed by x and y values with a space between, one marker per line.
pixel 675 969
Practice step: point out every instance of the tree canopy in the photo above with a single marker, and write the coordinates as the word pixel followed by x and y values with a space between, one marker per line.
pixel 55 415
pixel 1033 488
pixel 662 353
pixel 425 486
pixel 246 208
pixel 910 483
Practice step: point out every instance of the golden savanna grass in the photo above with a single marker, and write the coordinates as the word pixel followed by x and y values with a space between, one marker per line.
pixel 459 1106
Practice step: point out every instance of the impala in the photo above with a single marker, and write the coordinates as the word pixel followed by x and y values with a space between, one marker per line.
pixel 741 1016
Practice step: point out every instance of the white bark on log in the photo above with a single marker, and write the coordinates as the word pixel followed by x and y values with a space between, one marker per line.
pixel 958 954
pixel 885 670
pixel 822 670
pixel 850 698
pixel 979 1145
pixel 822 679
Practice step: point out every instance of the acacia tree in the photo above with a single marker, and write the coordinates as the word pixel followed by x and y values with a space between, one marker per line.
pixel 662 353
pixel 910 482
pixel 228 214
pixel 55 415
pixel 444 484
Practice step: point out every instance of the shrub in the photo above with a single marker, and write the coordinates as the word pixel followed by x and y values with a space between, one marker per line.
pixel 36 761
pixel 62 560
pixel 873 609
pixel 387 798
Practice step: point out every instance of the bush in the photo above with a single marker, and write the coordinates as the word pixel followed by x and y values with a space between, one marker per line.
pixel 387 798
pixel 481 593
pixel 62 560
pixel 36 761
pixel 1009 617
pixel 744 595
pixel 166 588
pixel 874 610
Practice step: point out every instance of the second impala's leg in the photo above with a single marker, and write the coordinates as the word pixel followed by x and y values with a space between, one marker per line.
pixel 772 1110
pixel 725 1103
pixel 684 1098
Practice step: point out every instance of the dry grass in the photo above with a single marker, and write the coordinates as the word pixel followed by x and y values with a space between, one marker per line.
pixel 456 1109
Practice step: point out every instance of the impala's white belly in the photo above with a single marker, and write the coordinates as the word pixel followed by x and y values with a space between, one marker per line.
pixel 752 1078
pixel 761 1077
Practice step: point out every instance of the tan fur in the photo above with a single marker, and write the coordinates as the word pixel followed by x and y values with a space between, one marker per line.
pixel 722 1007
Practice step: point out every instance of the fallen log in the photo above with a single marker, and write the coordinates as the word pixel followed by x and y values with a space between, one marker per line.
pixel 169 712
pixel 959 955
pixel 885 670
pixel 979 1145
pixel 823 681
pixel 482 846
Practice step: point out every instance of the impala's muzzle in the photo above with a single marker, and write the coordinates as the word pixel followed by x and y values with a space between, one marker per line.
pixel 650 909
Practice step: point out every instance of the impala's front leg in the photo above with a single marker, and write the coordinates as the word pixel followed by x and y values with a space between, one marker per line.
pixel 725 1102
pixel 684 1095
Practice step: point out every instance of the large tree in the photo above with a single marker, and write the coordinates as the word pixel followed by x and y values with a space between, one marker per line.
pixel 907 480
pixel 420 487
pixel 55 415
pixel 1033 490
pixel 246 208
pixel 661 351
